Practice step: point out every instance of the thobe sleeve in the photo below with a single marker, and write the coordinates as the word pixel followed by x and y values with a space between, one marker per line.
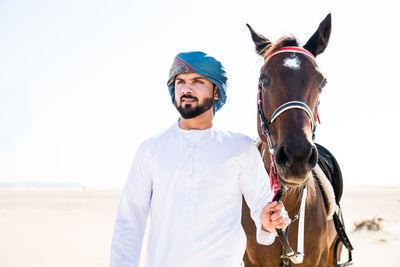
pixel 132 213
pixel 256 191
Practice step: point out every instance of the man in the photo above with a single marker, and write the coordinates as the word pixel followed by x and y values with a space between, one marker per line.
pixel 190 179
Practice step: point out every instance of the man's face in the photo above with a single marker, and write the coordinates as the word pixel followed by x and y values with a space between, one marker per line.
pixel 194 94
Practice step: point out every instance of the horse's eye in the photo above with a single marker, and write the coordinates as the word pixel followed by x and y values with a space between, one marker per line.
pixel 265 81
pixel 322 85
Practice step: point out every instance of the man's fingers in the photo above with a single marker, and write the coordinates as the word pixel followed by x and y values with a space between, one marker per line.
pixel 276 215
pixel 278 220
pixel 270 205
pixel 273 206
pixel 268 216
pixel 283 225
pixel 277 206
pixel 279 217
pixel 279 213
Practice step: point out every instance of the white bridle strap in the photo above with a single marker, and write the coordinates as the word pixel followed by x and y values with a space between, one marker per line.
pixel 297 257
pixel 300 231
pixel 291 105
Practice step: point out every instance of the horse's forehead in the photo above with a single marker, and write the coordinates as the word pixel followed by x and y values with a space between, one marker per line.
pixel 292 62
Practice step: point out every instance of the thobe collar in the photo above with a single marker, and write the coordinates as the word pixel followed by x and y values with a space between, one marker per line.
pixel 194 135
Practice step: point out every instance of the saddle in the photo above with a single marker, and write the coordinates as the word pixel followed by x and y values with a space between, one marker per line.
pixel 331 169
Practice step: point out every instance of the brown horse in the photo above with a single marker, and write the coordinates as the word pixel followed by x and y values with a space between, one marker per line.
pixel 290 75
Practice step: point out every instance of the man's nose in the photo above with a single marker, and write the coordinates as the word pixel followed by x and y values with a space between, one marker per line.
pixel 187 89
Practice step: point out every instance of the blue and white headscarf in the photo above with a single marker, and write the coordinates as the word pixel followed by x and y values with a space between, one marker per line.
pixel 201 63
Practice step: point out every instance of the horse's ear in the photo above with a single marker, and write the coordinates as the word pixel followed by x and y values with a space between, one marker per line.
pixel 318 42
pixel 260 41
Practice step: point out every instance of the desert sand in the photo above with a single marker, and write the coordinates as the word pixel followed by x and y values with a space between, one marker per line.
pixel 73 227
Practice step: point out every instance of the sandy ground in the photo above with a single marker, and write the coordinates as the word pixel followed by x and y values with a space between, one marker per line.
pixel 73 227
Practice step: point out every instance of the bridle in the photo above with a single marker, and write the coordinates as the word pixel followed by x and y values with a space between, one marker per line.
pixel 288 253
pixel 281 109
pixel 286 106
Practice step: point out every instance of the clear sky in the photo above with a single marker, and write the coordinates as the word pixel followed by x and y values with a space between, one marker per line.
pixel 82 82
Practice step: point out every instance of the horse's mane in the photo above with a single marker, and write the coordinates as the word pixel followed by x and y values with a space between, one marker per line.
pixel 282 42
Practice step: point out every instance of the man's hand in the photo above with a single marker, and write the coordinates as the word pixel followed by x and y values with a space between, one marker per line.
pixel 274 216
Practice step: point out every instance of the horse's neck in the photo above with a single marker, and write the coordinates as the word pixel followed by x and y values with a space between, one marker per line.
pixel 292 198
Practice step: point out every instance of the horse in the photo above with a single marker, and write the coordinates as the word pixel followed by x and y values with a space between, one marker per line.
pixel 289 86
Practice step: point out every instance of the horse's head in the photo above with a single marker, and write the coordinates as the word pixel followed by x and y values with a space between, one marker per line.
pixel 290 83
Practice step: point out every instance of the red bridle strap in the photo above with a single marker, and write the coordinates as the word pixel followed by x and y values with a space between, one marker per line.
pixel 292 49
pixel 273 175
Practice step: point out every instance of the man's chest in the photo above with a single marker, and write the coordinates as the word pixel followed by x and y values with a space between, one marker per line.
pixel 202 167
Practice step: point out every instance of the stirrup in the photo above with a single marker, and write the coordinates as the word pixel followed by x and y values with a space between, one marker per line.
pixel 294 257
pixel 335 256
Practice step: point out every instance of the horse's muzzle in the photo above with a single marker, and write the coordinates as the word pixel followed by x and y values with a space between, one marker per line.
pixel 295 160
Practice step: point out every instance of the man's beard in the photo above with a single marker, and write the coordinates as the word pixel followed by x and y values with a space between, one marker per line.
pixel 188 111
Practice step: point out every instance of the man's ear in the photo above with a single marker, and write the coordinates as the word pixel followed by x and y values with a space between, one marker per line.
pixel 216 92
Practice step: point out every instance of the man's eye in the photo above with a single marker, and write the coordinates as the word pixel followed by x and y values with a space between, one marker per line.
pixel 178 82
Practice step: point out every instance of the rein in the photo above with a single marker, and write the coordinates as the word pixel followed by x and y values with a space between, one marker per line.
pixel 288 253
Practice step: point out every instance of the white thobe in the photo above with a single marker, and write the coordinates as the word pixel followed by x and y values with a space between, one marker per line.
pixel 191 185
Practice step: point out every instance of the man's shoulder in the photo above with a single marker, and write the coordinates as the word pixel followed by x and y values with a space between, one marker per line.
pixel 234 135
pixel 152 142
pixel 238 139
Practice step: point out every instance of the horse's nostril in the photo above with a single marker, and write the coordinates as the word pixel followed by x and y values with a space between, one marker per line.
pixel 281 157
pixel 312 160
pixel 296 156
